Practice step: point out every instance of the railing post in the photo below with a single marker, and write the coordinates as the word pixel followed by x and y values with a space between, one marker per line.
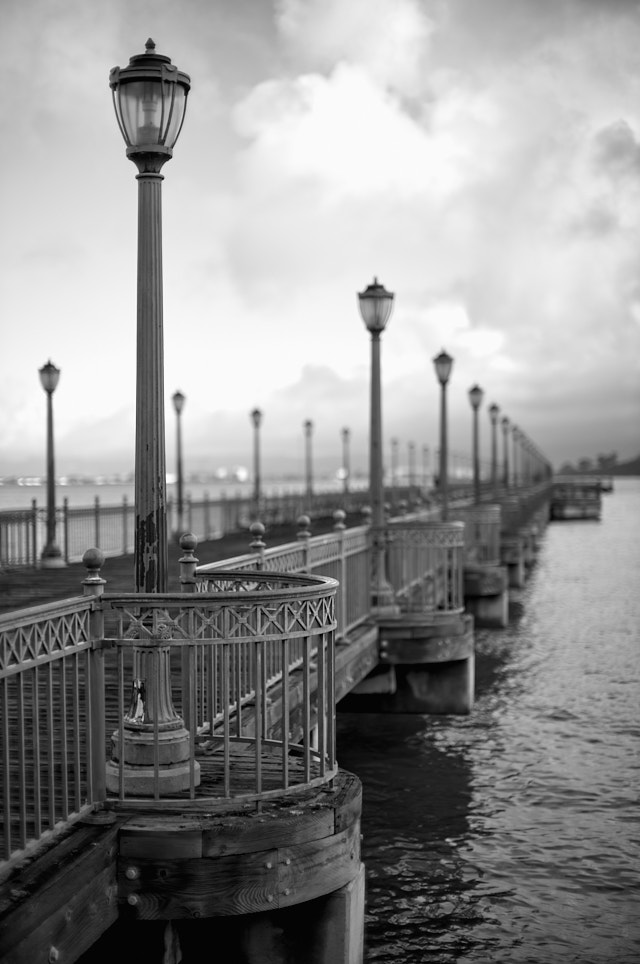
pixel 339 526
pixel 304 535
pixel 93 585
pixel 258 545
pixel 188 563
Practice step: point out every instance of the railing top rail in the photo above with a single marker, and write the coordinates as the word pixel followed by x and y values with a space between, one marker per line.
pixel 234 585
pixel 427 525
pixel 350 537
pixel 45 611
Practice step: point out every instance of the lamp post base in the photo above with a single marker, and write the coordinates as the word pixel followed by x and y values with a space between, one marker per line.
pixel 383 601
pixel 51 558
pixel 140 781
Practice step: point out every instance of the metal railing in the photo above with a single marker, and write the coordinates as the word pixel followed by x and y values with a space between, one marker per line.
pixel 343 555
pixel 482 525
pixel 23 533
pixel 244 672
pixel 425 563
pixel 51 701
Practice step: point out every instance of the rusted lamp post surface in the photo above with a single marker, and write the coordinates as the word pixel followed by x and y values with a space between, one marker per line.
pixel 150 97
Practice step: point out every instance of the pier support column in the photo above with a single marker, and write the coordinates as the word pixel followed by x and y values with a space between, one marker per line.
pixel 424 668
pixel 486 595
pixel 512 556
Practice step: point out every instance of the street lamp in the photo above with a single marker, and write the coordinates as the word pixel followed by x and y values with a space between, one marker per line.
pixel 150 98
pixel 394 469
pixel 494 411
pixel 346 459
pixel 178 404
pixel 476 395
pixel 375 304
pixel 505 450
pixel 443 364
pixel 256 418
pixel 515 435
pixel 308 459
pixel 51 557
pixel 425 468
pixel 412 468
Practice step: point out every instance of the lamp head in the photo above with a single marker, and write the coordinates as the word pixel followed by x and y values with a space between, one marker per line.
pixel 375 306
pixel 443 365
pixel 178 401
pixel 476 395
pixel 150 100
pixel 49 377
pixel 256 417
pixel 494 411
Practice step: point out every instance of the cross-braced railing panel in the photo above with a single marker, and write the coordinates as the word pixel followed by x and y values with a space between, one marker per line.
pixel 482 524
pixel 343 555
pixel 425 562
pixel 48 710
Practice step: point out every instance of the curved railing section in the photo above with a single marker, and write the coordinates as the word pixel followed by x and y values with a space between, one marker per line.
pixel 166 701
pixel 251 712
pixel 425 563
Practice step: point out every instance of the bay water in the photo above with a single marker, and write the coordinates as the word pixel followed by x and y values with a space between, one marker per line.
pixel 513 834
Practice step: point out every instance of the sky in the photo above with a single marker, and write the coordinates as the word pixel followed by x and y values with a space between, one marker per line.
pixel 481 158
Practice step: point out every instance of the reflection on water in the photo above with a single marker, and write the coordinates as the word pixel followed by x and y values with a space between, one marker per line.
pixel 513 835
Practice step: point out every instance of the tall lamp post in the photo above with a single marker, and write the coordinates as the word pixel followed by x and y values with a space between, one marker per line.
pixel 394 469
pixel 515 431
pixel 308 458
pixel 256 419
pixel 51 557
pixel 425 468
pixel 178 404
pixel 375 304
pixel 346 459
pixel 412 468
pixel 505 451
pixel 476 395
pixel 150 98
pixel 443 364
pixel 494 411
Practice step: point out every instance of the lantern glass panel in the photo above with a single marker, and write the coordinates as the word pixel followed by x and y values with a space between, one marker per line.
pixel 150 112
pixel 375 306
pixel 443 365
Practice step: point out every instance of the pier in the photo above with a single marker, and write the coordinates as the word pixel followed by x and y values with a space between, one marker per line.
pixel 171 757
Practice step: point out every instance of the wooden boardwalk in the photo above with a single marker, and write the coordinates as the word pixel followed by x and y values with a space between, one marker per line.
pixel 28 586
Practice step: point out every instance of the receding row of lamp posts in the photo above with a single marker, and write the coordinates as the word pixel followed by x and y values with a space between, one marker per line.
pixel 149 98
